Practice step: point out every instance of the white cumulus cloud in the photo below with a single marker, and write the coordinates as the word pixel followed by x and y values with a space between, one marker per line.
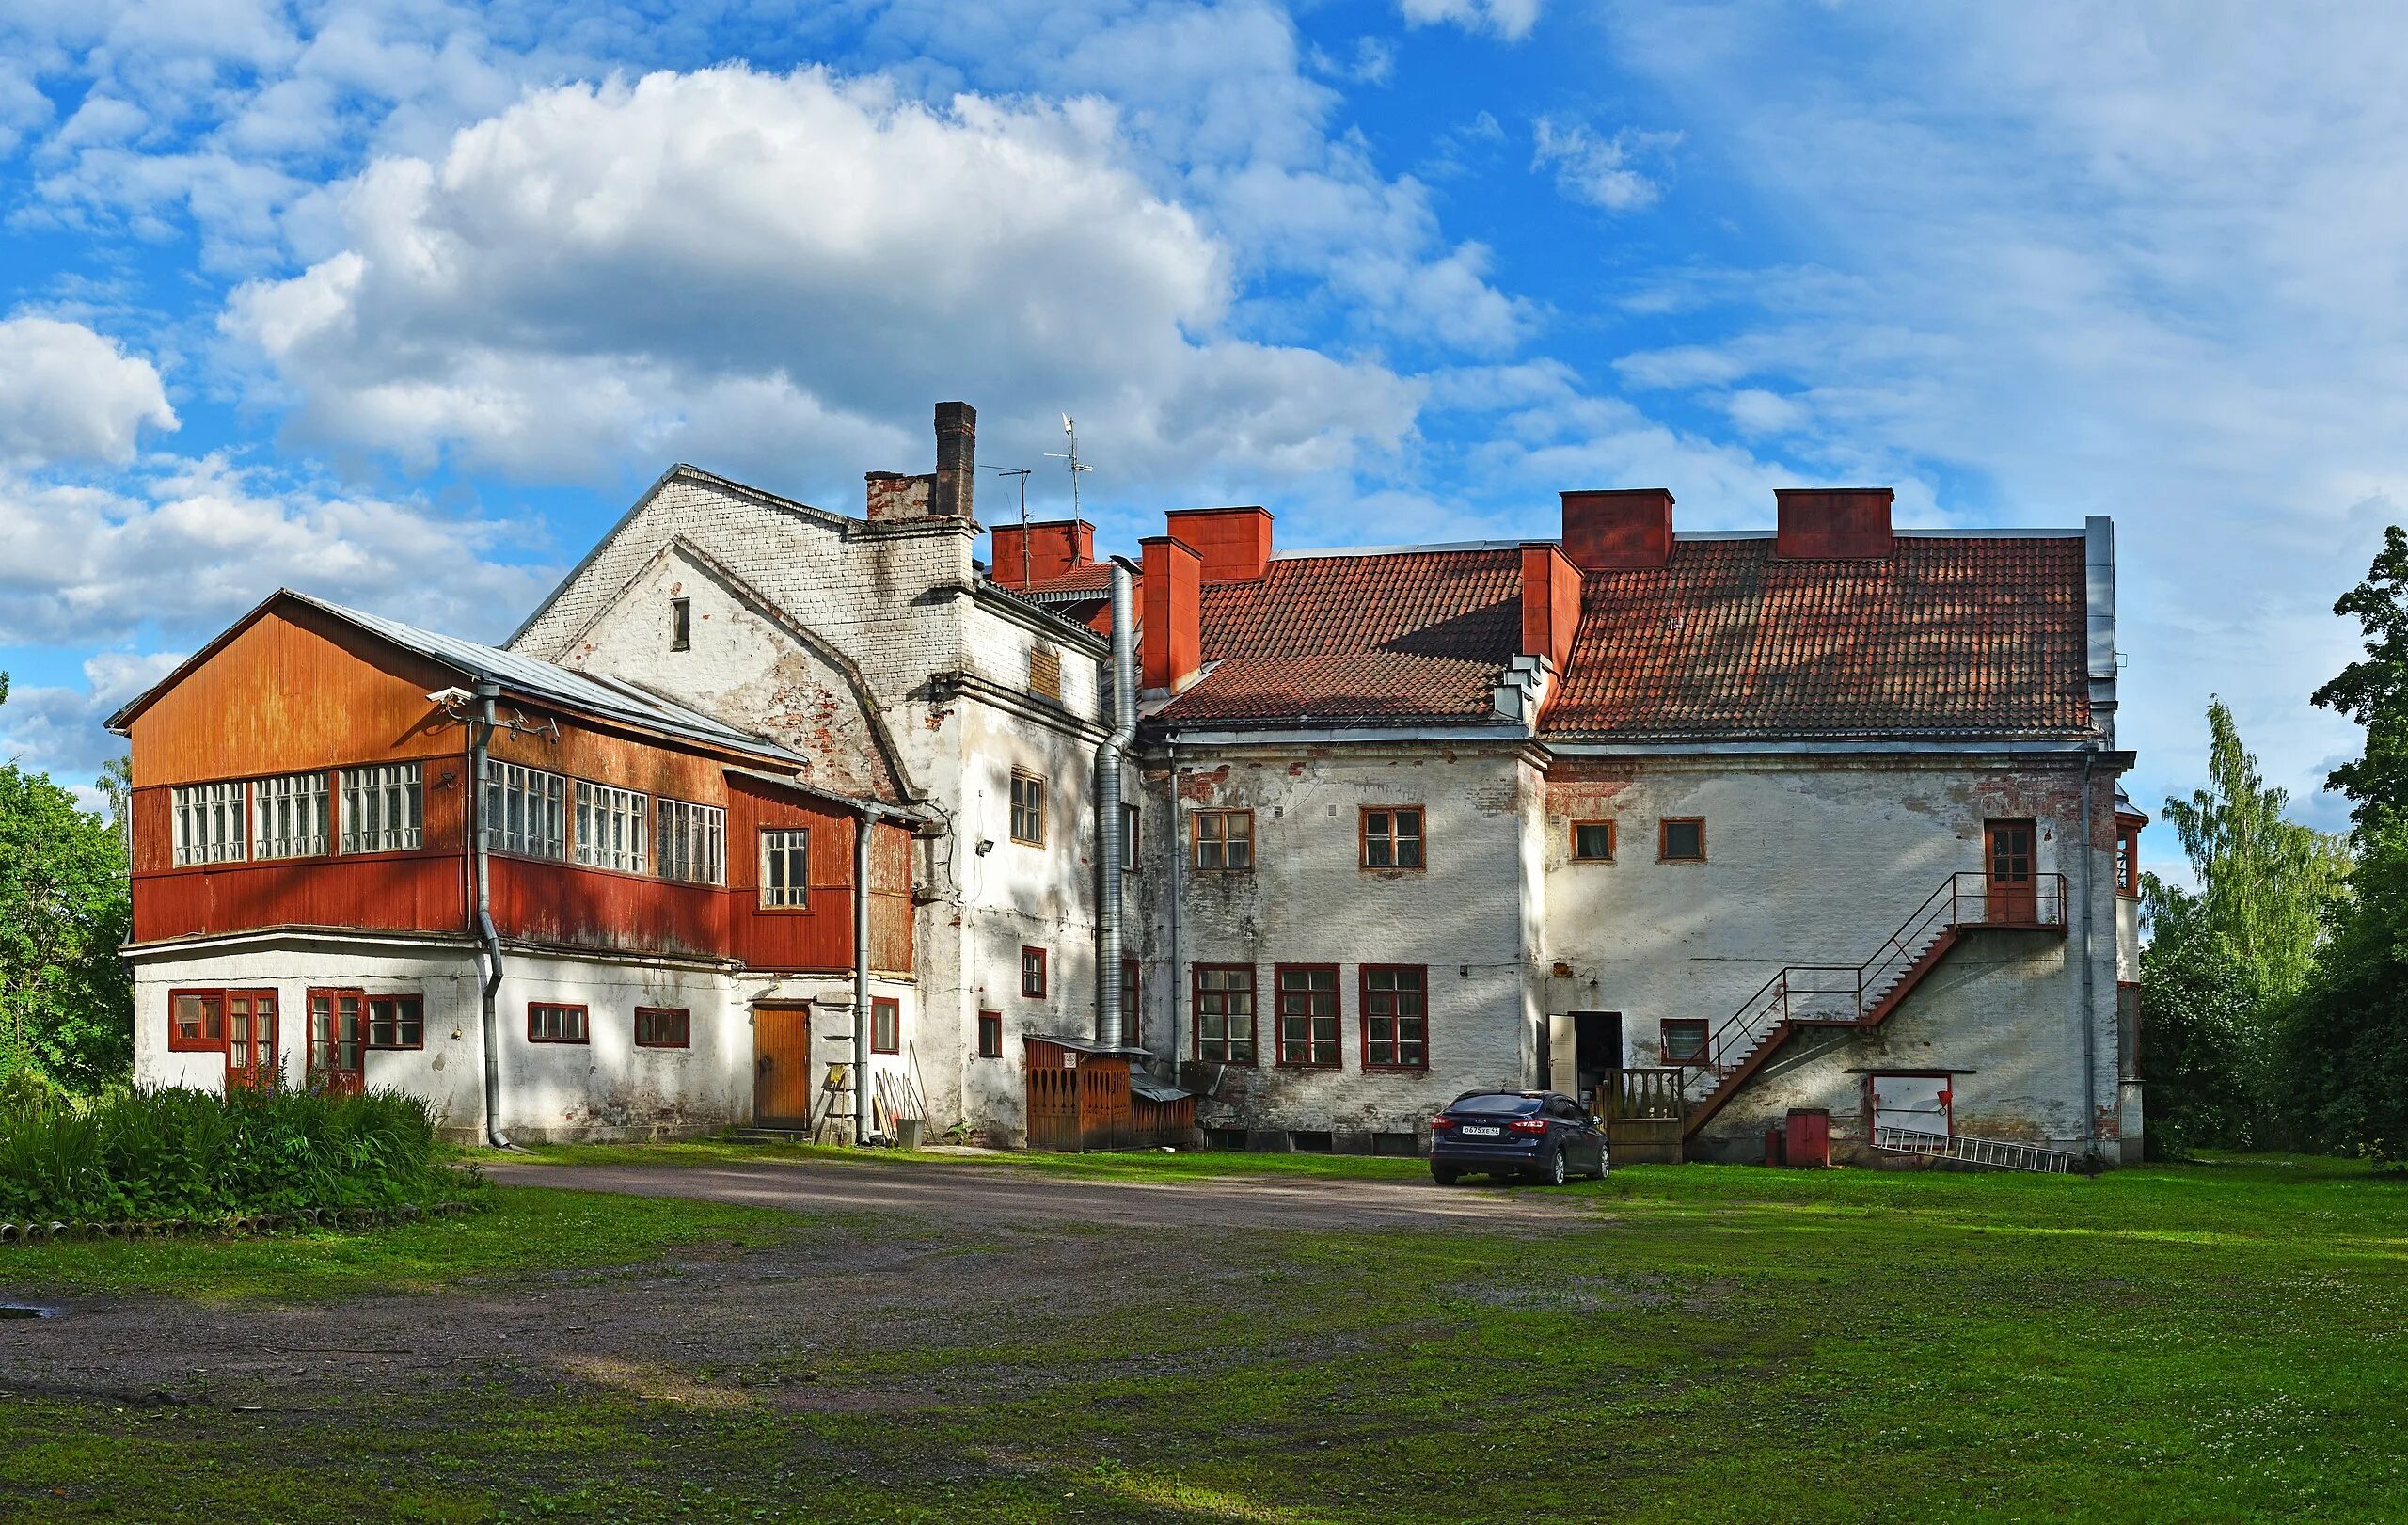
pixel 1509 19
pixel 1603 171
pixel 70 394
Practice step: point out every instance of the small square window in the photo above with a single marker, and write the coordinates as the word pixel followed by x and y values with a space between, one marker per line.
pixel 395 1022
pixel 664 1026
pixel 1593 841
pixel 885 1024
pixel 196 1022
pixel 1684 1039
pixel 990 1035
pixel 1028 809
pixel 1392 836
pixel 1031 972
pixel 1682 841
pixel 681 628
pixel 1222 840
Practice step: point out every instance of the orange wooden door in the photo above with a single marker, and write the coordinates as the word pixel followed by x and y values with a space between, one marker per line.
pixel 250 1040
pixel 782 1066
pixel 337 1041
pixel 2009 851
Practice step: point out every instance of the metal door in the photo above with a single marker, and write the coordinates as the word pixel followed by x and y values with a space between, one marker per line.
pixel 782 1066
pixel 250 1040
pixel 2013 879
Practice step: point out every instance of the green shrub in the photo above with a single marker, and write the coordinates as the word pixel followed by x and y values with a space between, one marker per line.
pixel 156 1154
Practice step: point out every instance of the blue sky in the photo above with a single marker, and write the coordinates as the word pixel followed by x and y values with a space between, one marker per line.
pixel 402 302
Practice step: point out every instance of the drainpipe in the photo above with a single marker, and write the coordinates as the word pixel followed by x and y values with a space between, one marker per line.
pixel 861 824
pixel 2089 978
pixel 1178 864
pixel 480 740
pixel 1110 828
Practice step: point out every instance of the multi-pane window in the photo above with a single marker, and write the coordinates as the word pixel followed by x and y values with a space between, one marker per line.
pixel 885 1024
pixel 549 1022
pixel 1222 839
pixel 1028 809
pixel 1392 836
pixel 1593 841
pixel 197 1021
pixel 1132 993
pixel 1396 1017
pixel 2128 861
pixel 337 1034
pixel 289 817
pixel 681 624
pixel 1681 840
pixel 1309 1016
pixel 395 1022
pixel 785 866
pixel 1224 1013
pixel 693 842
pixel 1683 1040
pixel 209 823
pixel 990 1035
pixel 611 827
pixel 526 811
pixel 382 808
pixel 1031 972
pixel 664 1026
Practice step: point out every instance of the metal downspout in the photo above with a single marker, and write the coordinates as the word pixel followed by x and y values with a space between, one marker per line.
pixel 1178 862
pixel 862 826
pixel 1110 825
pixel 480 740
pixel 2089 983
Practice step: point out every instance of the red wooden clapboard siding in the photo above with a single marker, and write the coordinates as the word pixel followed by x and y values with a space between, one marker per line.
pixel 568 905
pixel 390 893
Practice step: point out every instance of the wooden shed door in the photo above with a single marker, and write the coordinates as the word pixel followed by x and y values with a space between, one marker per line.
pixel 2014 885
pixel 250 1040
pixel 782 1066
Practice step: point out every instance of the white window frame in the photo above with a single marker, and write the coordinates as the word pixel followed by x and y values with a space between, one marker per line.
pixel 612 828
pixel 383 808
pixel 785 841
pixel 526 811
pixel 693 842
pixel 292 816
pixel 210 823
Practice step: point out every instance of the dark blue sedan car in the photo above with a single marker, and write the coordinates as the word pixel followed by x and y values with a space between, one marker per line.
pixel 1529 1135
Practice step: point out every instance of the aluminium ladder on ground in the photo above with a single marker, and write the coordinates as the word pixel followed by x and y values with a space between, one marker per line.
pixel 1997 1154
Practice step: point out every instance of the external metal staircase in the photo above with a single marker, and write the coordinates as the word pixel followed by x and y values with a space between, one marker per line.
pixel 1815 996
pixel 1997 1154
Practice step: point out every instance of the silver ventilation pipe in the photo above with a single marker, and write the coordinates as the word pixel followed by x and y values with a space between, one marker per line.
pixel 1111 827
pixel 480 740
pixel 862 822
pixel 2089 982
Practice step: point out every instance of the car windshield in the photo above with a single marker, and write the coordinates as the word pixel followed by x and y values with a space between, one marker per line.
pixel 1520 1105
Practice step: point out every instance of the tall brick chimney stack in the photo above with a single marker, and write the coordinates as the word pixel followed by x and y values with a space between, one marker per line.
pixel 956 461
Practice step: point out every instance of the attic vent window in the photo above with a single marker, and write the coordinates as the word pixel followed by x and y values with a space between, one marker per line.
pixel 681 630
pixel 1045 671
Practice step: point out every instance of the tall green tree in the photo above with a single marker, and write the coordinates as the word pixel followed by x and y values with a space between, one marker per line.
pixel 66 1007
pixel 2226 960
pixel 2347 1044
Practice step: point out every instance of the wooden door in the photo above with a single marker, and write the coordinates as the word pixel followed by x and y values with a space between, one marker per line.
pixel 782 1066
pixel 250 1040
pixel 338 1038
pixel 2009 850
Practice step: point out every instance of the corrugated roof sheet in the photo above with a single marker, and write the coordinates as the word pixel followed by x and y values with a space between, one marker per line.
pixel 590 693
pixel 1945 636
pixel 1386 637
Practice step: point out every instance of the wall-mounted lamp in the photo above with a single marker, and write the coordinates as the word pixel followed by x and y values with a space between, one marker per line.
pixel 985 845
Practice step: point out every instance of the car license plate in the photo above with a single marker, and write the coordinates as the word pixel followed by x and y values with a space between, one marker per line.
pixel 1485 1133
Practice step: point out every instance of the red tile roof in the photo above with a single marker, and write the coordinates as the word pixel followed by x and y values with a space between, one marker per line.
pixel 1393 636
pixel 1958 636
pixel 1096 576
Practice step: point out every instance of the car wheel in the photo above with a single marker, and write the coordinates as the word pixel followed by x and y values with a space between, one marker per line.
pixel 1551 1169
pixel 1445 1175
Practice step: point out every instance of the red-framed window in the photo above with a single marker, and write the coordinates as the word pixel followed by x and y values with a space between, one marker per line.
pixel 1307 1015
pixel 396 1021
pixel 885 1024
pixel 196 1022
pixel 1391 838
pixel 1031 972
pixel 555 1021
pixel 1221 841
pixel 1682 1040
pixel 664 1026
pixel 1221 1007
pixel 990 1035
pixel 1593 841
pixel 1396 1016
pixel 1133 1000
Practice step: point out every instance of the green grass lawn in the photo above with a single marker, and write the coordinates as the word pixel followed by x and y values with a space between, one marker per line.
pixel 2226 1341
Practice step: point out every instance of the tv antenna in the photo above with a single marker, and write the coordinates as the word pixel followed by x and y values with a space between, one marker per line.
pixel 1072 430
pixel 1022 472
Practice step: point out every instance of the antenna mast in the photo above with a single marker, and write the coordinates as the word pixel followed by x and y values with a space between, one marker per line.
pixel 1022 472
pixel 1072 430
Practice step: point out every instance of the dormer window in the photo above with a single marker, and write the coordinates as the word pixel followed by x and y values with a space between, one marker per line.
pixel 681 630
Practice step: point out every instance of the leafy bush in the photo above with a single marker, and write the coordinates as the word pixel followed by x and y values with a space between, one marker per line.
pixel 157 1155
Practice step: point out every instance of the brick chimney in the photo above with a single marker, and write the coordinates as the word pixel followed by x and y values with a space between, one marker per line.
pixel 891 495
pixel 1833 524
pixel 1170 613
pixel 1053 547
pixel 1550 603
pixel 957 479
pixel 1623 530
pixel 1234 544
